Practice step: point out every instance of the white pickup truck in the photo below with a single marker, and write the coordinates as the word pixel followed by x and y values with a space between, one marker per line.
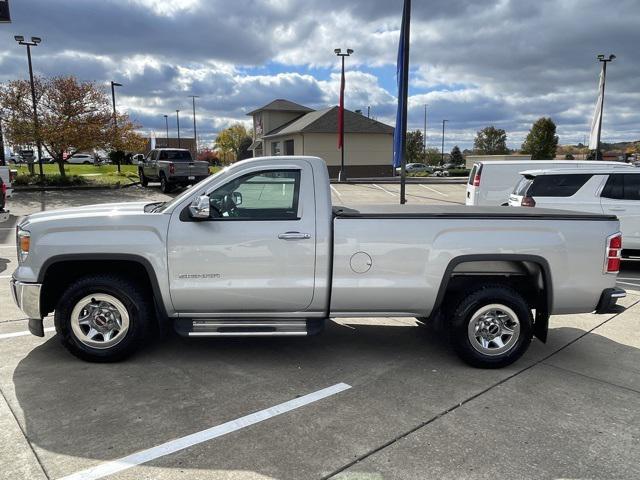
pixel 258 250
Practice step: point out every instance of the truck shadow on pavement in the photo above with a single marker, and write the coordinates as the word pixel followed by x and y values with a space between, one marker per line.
pixel 401 376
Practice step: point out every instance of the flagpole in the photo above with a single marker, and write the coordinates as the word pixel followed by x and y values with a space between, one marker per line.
pixel 604 61
pixel 406 21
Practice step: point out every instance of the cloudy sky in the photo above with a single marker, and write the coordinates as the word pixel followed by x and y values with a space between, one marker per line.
pixel 474 62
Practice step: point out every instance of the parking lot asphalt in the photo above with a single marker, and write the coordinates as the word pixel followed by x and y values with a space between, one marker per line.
pixel 367 399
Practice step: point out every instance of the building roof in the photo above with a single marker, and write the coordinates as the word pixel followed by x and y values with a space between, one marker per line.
pixel 326 121
pixel 282 105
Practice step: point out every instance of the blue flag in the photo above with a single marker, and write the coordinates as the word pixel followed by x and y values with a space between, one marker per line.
pixel 402 73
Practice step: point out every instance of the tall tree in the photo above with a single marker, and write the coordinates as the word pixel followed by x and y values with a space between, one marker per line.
pixel 541 142
pixel 456 156
pixel 433 156
pixel 415 147
pixel 230 140
pixel 73 116
pixel 491 141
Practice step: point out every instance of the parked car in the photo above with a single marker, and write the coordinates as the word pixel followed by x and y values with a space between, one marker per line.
pixel 4 214
pixel 7 175
pixel 172 167
pixel 258 250
pixel 612 191
pixel 416 168
pixel 491 183
pixel 81 159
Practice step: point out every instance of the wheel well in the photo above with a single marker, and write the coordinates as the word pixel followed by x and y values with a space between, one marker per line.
pixel 529 277
pixel 60 275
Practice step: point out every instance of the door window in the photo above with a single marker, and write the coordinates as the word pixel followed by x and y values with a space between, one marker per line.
pixel 265 195
pixel 622 187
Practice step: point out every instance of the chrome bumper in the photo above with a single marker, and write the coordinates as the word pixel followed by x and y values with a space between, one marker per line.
pixel 27 297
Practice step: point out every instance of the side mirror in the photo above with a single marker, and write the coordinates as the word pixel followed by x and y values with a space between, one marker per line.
pixel 200 208
pixel 237 198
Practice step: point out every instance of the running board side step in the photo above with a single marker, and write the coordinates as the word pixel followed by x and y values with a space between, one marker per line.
pixel 238 327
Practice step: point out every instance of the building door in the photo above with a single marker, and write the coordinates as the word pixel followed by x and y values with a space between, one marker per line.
pixel 288 147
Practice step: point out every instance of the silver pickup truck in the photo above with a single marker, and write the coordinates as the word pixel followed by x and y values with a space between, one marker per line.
pixel 172 167
pixel 258 250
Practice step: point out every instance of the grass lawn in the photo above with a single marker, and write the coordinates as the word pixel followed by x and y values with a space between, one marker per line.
pixel 88 174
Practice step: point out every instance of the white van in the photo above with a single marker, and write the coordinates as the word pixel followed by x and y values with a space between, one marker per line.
pixel 491 182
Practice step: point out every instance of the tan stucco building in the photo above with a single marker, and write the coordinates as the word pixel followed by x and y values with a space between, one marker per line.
pixel 287 128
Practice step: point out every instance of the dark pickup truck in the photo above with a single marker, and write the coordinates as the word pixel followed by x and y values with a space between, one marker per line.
pixel 172 167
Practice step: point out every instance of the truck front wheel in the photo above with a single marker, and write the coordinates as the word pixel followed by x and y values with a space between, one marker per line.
pixel 492 327
pixel 144 181
pixel 102 318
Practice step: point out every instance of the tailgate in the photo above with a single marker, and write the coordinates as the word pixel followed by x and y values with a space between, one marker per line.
pixel 191 169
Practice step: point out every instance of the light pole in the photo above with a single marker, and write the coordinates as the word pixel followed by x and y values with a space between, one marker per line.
pixel 195 131
pixel 604 60
pixel 178 122
pixel 166 121
pixel 342 176
pixel 115 119
pixel 36 126
pixel 443 123
pixel 2 158
pixel 424 140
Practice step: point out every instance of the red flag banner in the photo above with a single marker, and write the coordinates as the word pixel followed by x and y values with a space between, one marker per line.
pixel 341 114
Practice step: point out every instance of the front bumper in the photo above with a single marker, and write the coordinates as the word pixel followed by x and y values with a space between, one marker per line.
pixel 27 298
pixel 608 300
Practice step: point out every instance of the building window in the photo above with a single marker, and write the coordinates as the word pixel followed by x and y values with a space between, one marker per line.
pixel 288 147
pixel 275 148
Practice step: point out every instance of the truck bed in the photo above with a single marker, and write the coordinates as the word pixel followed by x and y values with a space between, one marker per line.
pixel 461 211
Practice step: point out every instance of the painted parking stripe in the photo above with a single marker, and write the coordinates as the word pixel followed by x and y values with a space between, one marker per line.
pixel 335 190
pixel 173 446
pixel 23 333
pixel 2 277
pixel 433 190
pixel 385 190
pixel 628 283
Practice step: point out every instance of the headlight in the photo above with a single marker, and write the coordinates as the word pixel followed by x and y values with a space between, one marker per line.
pixel 23 243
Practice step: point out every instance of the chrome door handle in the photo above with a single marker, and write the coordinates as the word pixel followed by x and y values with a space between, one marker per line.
pixel 617 209
pixel 294 236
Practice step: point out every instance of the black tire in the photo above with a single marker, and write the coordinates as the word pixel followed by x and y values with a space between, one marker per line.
pixel 136 302
pixel 459 335
pixel 86 163
pixel 144 181
pixel 165 186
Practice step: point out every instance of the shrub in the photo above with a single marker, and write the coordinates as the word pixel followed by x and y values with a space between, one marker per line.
pixel 23 179
pixel 459 172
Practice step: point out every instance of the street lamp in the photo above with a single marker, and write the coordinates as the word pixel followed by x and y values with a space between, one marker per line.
pixel 443 123
pixel 166 121
pixel 424 140
pixel 342 176
pixel 604 60
pixel 115 117
pixel 178 122
pixel 33 43
pixel 195 131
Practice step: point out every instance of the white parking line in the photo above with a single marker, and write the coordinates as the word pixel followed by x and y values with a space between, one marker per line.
pixel 23 333
pixel 334 190
pixel 178 444
pixel 433 190
pixel 385 190
pixel 3 277
pixel 632 284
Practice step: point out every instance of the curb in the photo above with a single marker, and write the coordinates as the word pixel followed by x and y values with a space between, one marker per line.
pixel 73 187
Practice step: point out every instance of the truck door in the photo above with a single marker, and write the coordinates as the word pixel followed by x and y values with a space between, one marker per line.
pixel 256 254
pixel 149 165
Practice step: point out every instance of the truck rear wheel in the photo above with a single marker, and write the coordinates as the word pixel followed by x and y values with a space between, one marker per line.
pixel 492 327
pixel 102 318
pixel 165 186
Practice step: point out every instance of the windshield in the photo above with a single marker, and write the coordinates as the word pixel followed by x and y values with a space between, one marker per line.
pixel 522 186
pixel 188 193
pixel 175 155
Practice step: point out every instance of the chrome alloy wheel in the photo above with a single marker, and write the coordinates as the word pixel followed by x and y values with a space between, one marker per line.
pixel 493 329
pixel 100 321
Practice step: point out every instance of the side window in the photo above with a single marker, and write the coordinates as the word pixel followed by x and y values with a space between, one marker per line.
pixel 163 155
pixel 266 195
pixel 614 188
pixel 557 185
pixel 631 187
